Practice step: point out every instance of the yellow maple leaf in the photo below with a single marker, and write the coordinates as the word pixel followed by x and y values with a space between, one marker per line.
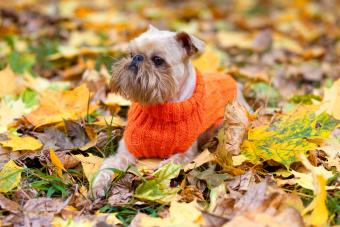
pixel 10 176
pixel 209 61
pixel 9 82
pixel 90 165
pixel 57 163
pixel 181 214
pixel 56 106
pixel 331 100
pixel 23 143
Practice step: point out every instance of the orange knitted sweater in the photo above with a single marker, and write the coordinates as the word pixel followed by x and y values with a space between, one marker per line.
pixel 158 131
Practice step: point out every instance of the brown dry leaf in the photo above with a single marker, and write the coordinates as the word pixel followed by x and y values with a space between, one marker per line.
pixel 286 218
pixel 56 106
pixel 40 211
pixel 235 125
pixel 9 205
pixel 122 190
pixel 23 143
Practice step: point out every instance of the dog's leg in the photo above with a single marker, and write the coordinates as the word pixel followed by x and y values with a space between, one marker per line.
pixel 120 160
pixel 240 98
pixel 182 158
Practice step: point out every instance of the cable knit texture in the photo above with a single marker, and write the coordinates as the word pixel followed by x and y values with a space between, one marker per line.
pixel 158 131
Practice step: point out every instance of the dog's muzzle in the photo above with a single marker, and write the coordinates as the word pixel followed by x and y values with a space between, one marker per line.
pixel 135 62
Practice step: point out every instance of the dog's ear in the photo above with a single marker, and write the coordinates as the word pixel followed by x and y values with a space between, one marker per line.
pixel 152 28
pixel 190 43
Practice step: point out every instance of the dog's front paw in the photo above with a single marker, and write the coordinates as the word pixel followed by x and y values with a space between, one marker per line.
pixel 101 184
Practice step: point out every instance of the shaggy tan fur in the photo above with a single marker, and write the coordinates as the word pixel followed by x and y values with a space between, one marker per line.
pixel 148 85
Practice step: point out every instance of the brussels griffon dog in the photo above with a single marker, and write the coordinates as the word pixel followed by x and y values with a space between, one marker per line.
pixel 173 103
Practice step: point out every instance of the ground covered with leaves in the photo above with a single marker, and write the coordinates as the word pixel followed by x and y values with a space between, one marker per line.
pixel 278 166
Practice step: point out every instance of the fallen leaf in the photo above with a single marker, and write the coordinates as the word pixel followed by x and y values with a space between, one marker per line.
pixel 147 165
pixel 40 84
pixel 209 61
pixel 92 137
pixel 263 41
pixel 113 99
pixel 10 176
pixel 319 214
pixel 229 39
pixel 306 179
pixel 210 176
pixel 199 160
pixel 57 163
pixel 76 133
pixel 9 83
pixel 216 194
pixel 235 125
pixel 122 191
pixel 113 121
pixel 56 106
pixel 288 136
pixel 288 217
pixel 332 148
pixel 158 189
pixel 180 214
pixel 23 143
pixel 91 165
pixel 11 110
pixel 331 100
pixel 40 211
pixel 9 205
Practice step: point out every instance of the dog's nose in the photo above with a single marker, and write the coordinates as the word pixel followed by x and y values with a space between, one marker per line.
pixel 137 58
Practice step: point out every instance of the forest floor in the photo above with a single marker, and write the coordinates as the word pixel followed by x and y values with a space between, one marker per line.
pixel 278 166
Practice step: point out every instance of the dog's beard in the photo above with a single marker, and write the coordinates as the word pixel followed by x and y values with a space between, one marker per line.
pixel 146 86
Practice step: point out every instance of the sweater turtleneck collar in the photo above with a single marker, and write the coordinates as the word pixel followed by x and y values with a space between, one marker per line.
pixel 177 111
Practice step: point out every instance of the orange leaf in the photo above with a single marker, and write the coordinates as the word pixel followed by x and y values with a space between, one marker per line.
pixel 56 106
pixel 57 162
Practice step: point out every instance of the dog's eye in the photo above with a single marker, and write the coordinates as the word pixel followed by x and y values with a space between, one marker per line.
pixel 157 60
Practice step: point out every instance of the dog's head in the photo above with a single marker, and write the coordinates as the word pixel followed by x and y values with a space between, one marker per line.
pixel 156 68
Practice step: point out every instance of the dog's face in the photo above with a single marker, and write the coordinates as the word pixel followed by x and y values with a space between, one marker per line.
pixel 156 69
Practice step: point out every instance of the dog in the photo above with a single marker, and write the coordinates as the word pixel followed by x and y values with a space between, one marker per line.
pixel 169 109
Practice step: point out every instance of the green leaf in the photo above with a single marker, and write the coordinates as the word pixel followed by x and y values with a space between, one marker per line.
pixel 29 97
pixel 158 189
pixel 10 176
pixel 288 136
pixel 21 62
